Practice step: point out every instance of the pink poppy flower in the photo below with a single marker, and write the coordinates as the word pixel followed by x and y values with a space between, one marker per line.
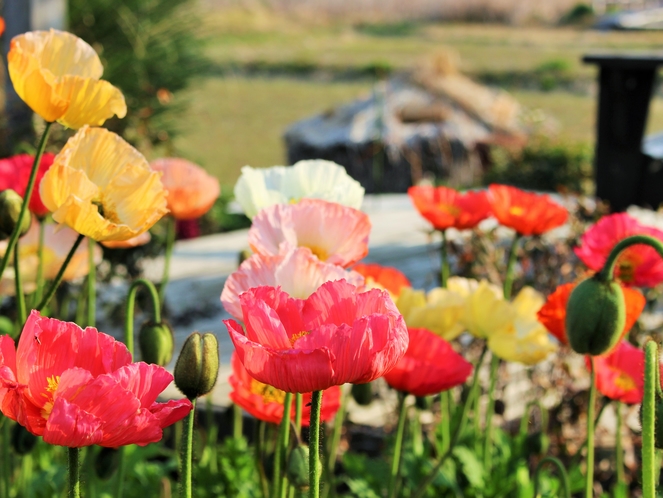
pixel 336 335
pixel 78 387
pixel 15 173
pixel 297 272
pixel 638 265
pixel 336 234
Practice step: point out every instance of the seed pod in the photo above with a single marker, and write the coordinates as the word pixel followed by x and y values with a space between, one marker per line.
pixel 595 316
pixel 10 208
pixel 362 393
pixel 22 440
pixel 156 343
pixel 197 366
pixel 297 469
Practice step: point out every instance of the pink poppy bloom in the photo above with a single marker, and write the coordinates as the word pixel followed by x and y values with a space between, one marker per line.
pixel 335 233
pixel 336 335
pixel 15 173
pixel 639 265
pixel 429 366
pixel 297 272
pixel 78 387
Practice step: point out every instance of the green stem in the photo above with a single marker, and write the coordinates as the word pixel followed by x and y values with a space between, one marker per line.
pixel 335 441
pixel 187 453
pixel 445 419
pixel 490 409
pixel 564 476
pixel 298 413
pixel 6 467
pixel 589 482
pixel 473 397
pixel 74 473
pixel 20 297
pixel 508 276
pixel 131 300
pixel 609 267
pixel 40 263
pixel 444 260
pixel 398 446
pixel 619 451
pixel 122 469
pixel 260 445
pixel 281 446
pixel 170 242
pixel 649 473
pixel 26 199
pixel 58 277
pixel 238 422
pixel 91 285
pixel 314 446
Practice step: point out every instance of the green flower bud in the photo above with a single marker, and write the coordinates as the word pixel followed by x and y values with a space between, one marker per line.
pixel 107 463
pixel 156 343
pixel 537 443
pixel 22 440
pixel 297 469
pixel 10 208
pixel 362 393
pixel 197 366
pixel 423 402
pixel 595 316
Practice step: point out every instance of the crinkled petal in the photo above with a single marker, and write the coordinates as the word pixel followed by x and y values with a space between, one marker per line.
pixel 71 426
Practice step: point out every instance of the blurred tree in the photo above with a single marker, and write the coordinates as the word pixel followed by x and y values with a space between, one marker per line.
pixel 150 50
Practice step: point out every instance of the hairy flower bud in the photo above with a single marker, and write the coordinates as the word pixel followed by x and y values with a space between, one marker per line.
pixel 22 441
pixel 298 467
pixel 197 366
pixel 156 343
pixel 10 208
pixel 362 393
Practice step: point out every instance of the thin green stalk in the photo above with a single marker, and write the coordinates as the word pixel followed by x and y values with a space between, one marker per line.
pixel 281 446
pixel 444 260
pixel 589 482
pixel 609 267
pixel 445 419
pixel 58 277
pixel 473 397
pixel 566 486
pixel 6 467
pixel 394 476
pixel 335 441
pixel 81 304
pixel 40 263
pixel 619 451
pixel 121 471
pixel 238 422
pixel 298 413
pixel 490 409
pixel 508 276
pixel 259 448
pixel 26 476
pixel 314 446
pixel 26 199
pixel 649 473
pixel 91 285
pixel 130 305
pixel 187 454
pixel 74 473
pixel 170 242
pixel 18 287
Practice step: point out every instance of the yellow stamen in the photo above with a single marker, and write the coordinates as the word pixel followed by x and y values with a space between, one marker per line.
pixel 321 253
pixel 625 382
pixel 516 210
pixel 269 394
pixel 53 381
pixel 298 336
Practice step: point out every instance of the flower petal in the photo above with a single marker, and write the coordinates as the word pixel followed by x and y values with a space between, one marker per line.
pixel 91 101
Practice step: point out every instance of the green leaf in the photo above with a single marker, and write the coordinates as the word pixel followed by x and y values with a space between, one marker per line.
pixel 470 466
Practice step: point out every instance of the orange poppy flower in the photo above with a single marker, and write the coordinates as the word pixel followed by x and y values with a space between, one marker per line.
pixel 527 213
pixel 383 277
pixel 191 191
pixel 447 208
pixel 553 313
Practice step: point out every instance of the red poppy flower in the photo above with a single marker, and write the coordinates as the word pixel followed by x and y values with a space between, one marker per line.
pixel 445 207
pixel 638 265
pixel 265 402
pixel 553 313
pixel 15 173
pixel 383 277
pixel 335 336
pixel 429 366
pixel 527 213
pixel 78 387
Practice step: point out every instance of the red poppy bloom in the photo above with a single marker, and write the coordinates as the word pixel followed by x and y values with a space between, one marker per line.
pixel 383 277
pixel 620 374
pixel 527 213
pixel 429 366
pixel 335 336
pixel 15 173
pixel 638 265
pixel 265 402
pixel 553 313
pixel 446 208
pixel 78 387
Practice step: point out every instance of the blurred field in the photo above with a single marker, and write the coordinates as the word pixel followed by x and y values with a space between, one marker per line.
pixel 238 113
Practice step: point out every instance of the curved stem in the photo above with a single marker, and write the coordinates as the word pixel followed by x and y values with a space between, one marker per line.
pixel 444 260
pixel 398 446
pixel 26 198
pixel 648 420
pixel 314 446
pixel 170 242
pixel 490 409
pixel 91 285
pixel 187 453
pixel 131 300
pixel 282 446
pixel 619 451
pixel 609 267
pixel 508 276
pixel 58 277
pixel 40 263
pixel 566 486
pixel 589 482
pixel 74 473
pixel 18 287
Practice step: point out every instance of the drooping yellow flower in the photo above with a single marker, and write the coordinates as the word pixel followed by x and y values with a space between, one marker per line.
pixel 438 311
pixel 485 312
pixel 57 75
pixel 102 187
pixel 525 340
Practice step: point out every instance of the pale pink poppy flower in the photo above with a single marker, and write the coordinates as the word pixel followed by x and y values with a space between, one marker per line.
pixel 336 234
pixel 77 387
pixel 298 272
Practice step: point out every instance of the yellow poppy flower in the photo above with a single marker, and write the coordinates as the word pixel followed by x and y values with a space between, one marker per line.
pixel 57 75
pixel 486 312
pixel 102 187
pixel 438 311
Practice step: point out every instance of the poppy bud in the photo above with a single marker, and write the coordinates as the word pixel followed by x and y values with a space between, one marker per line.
pixel 10 208
pixel 156 343
pixel 106 463
pixel 537 443
pixel 362 393
pixel 22 440
pixel 297 470
pixel 197 366
pixel 595 316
